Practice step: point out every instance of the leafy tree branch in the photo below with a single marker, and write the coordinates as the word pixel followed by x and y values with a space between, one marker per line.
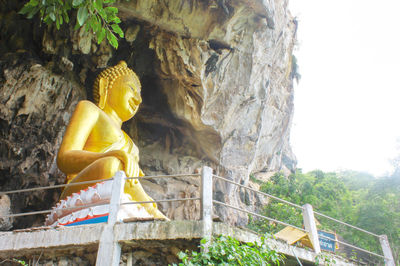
pixel 97 16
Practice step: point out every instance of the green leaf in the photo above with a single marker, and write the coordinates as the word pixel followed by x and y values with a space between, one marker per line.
pixel 82 15
pixel 112 39
pixel 111 10
pixel 76 3
pixel 96 27
pixel 57 24
pixel 102 13
pixel 32 12
pixel 92 7
pixel 47 20
pixel 98 4
pixel 77 26
pixel 117 30
pixel 66 17
pixel 26 9
pixel 87 27
pixel 181 255
pixel 98 23
pixel 93 23
pixel 52 16
pixel 116 20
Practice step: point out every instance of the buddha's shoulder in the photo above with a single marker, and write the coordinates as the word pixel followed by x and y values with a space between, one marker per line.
pixel 86 105
pixel 87 110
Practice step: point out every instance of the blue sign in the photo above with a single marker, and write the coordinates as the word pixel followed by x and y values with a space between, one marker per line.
pixel 324 242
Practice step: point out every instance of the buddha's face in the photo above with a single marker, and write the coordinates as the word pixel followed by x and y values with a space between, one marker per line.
pixel 124 97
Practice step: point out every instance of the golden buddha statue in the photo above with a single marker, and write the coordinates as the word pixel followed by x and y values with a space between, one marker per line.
pixel 94 145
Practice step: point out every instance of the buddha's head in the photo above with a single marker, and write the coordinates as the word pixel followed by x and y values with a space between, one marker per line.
pixel 118 88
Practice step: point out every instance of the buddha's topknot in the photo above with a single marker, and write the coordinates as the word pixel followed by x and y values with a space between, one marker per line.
pixel 111 74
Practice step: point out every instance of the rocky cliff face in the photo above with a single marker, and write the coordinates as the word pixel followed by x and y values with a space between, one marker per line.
pixel 217 91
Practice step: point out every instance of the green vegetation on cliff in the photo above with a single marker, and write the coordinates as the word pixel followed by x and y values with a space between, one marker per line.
pixel 225 250
pixel 355 198
pixel 98 16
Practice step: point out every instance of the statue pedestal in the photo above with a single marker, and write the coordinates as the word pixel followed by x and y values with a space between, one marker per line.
pixel 91 205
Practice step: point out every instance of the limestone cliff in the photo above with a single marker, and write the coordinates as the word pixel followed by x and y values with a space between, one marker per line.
pixel 217 91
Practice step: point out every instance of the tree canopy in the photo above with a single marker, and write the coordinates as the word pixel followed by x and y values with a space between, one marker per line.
pixel 353 197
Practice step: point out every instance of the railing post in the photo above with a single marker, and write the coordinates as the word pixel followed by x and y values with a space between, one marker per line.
pixel 206 201
pixel 387 252
pixel 310 226
pixel 109 252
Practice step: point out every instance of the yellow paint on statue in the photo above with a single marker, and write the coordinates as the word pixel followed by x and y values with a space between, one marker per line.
pixel 94 145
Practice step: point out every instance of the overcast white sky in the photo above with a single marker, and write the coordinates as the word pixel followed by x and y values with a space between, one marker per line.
pixel 347 111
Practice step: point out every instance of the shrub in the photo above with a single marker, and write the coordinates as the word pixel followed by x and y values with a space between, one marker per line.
pixel 225 250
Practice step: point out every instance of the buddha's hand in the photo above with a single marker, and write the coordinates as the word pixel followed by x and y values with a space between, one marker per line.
pixel 130 165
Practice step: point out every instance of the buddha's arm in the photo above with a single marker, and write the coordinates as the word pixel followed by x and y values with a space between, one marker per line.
pixel 71 157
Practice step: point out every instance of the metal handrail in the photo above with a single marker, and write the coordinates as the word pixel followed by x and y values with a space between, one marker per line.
pixel 260 192
pixel 297 206
pixel 258 215
pixel 54 186
pixel 93 205
pixel 352 246
pixel 352 226
pixel 89 182
pixel 156 201
pixel 89 205
pixel 294 205
pixel 49 211
pixel 162 176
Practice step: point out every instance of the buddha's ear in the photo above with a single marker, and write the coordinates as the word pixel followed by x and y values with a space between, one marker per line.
pixel 103 84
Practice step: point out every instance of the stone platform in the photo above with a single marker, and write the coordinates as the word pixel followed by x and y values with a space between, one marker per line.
pixel 146 239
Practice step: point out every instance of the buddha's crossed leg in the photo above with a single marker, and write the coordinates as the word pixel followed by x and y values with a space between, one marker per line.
pixel 106 168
